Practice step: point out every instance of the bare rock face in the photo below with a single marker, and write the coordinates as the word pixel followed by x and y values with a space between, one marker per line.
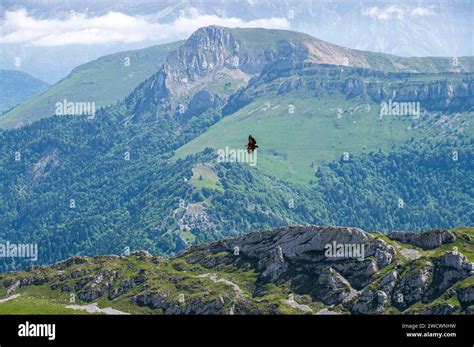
pixel 387 283
pixel 98 285
pixel 324 262
pixel 439 95
pixel 412 286
pixel 276 265
pixel 440 309
pixel 332 288
pixel 202 101
pixel 160 300
pixel 370 302
pixel 300 243
pixel 207 51
pixel 427 240
pixel 466 296
pixel 449 269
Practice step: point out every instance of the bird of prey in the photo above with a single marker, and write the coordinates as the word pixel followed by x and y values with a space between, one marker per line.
pixel 251 145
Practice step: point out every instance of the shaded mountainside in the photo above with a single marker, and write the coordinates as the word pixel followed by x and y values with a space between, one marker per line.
pixel 17 87
pixel 104 81
pixel 287 270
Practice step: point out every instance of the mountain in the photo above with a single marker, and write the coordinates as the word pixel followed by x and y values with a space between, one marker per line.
pixel 291 270
pixel 238 55
pixel 145 172
pixel 291 71
pixel 17 87
pixel 103 81
pixel 224 55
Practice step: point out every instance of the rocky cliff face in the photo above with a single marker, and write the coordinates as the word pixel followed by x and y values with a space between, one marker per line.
pixel 206 52
pixel 356 83
pixel 262 57
pixel 431 240
pixel 299 269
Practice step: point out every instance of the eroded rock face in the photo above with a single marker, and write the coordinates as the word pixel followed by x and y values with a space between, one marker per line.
pixel 370 302
pixel 449 269
pixel 160 300
pixel 202 101
pixel 387 283
pixel 276 265
pixel 440 309
pixel 427 240
pixel 95 287
pixel 411 286
pixel 438 95
pixel 331 287
pixel 466 296
pixel 301 254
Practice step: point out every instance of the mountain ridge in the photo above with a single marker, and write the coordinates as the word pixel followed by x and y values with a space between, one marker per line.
pixel 270 45
pixel 213 48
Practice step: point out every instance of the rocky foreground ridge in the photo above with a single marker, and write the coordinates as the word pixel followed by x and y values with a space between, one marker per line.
pixel 291 270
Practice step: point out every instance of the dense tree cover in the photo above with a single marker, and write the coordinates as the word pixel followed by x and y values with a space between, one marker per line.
pixel 418 187
pixel 99 166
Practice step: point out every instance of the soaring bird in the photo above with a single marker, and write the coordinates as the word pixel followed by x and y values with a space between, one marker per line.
pixel 251 145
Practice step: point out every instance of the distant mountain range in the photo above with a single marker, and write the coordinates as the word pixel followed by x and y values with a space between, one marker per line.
pixel 115 77
pixel 292 270
pixel 406 28
pixel 144 172
pixel 17 87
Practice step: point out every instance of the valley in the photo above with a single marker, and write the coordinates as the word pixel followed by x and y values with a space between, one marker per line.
pixel 143 174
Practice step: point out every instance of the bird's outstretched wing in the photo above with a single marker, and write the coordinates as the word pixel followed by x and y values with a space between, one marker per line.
pixel 252 141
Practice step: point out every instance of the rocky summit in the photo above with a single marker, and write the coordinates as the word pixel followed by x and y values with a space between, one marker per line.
pixel 290 270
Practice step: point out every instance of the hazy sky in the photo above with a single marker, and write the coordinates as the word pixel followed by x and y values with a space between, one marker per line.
pixel 53 36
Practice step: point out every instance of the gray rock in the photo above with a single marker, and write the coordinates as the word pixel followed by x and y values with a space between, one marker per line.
pixel 440 309
pixel 426 240
pixel 331 287
pixel 387 283
pixel 411 287
pixel 202 101
pixel 159 300
pixel 466 296
pixel 276 266
pixel 449 269
pixel 123 288
pixel 370 302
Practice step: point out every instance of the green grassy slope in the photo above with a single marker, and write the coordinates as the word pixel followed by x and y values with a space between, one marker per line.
pixel 103 81
pixel 291 145
pixel 256 38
